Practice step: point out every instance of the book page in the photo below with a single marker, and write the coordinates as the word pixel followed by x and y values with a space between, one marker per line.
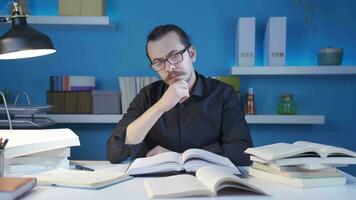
pixel 171 160
pixel 175 186
pixel 217 178
pixel 328 150
pixel 280 150
pixel 194 164
pixel 209 157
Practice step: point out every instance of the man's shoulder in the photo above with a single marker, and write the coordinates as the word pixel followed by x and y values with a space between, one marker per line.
pixel 212 84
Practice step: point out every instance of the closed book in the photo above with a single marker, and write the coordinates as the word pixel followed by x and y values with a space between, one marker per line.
pixel 245 41
pixel 26 142
pixel 62 152
pixel 86 81
pixel 298 182
pixel 82 88
pixel 13 187
pixel 337 161
pixel 295 172
pixel 274 46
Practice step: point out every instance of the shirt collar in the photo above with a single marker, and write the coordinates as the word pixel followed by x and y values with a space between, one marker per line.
pixel 198 86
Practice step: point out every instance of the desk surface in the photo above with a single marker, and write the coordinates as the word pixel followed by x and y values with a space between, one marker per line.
pixel 134 189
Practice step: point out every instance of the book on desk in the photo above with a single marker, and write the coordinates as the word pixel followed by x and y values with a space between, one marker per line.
pixel 172 162
pixel 80 178
pixel 13 187
pixel 209 181
pixel 302 164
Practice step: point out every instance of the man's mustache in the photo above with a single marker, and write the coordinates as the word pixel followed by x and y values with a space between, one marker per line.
pixel 174 74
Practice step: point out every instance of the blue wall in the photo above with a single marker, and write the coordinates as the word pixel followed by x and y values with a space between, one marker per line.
pixel 211 24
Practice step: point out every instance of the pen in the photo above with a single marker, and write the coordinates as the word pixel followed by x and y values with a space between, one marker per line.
pixel 79 167
pixel 3 145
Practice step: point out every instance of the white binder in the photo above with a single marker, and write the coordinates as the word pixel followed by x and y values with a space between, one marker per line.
pixel 274 46
pixel 245 41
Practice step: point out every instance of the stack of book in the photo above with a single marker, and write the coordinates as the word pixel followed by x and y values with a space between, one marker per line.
pixel 72 83
pixel 34 151
pixel 301 164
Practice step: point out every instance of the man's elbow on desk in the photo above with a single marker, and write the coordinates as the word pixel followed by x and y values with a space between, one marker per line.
pixel 115 151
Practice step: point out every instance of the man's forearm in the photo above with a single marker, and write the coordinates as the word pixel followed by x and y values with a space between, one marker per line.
pixel 138 129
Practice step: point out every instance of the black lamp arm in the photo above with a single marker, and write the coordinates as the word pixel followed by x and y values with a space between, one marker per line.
pixel 3 19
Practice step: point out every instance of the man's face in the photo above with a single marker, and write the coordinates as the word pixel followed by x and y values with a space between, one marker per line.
pixel 167 46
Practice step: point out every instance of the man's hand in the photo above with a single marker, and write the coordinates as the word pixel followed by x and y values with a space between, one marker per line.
pixel 176 92
pixel 157 150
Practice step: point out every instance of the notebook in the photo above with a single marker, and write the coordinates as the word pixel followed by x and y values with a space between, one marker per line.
pixel 13 187
pixel 80 179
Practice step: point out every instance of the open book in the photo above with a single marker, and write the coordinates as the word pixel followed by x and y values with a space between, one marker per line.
pixel 189 161
pixel 209 181
pixel 80 179
pixel 300 153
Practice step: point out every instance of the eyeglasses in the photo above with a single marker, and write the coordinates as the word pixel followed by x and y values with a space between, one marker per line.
pixel 160 64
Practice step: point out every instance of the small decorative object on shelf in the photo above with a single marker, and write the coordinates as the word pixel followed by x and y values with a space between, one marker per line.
pixel 287 105
pixel 330 56
pixel 250 104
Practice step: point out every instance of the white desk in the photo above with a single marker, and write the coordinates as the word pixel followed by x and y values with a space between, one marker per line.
pixel 134 189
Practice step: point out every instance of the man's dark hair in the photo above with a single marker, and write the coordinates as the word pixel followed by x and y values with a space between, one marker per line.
pixel 159 31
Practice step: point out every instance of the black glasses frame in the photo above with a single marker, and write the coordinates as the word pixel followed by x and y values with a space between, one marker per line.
pixel 164 61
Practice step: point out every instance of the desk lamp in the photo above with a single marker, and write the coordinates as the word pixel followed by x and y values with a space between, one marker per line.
pixel 22 41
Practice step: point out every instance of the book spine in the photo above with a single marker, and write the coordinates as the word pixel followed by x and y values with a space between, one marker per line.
pixel 51 83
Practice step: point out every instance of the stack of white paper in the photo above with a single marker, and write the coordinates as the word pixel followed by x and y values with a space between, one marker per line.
pixel 33 151
pixel 245 41
pixel 274 47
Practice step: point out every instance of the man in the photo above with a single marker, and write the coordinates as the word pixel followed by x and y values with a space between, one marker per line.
pixel 184 110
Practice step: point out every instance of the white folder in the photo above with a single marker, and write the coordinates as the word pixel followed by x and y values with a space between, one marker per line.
pixel 274 46
pixel 245 41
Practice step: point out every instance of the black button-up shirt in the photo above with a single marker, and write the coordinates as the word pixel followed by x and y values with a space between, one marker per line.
pixel 210 119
